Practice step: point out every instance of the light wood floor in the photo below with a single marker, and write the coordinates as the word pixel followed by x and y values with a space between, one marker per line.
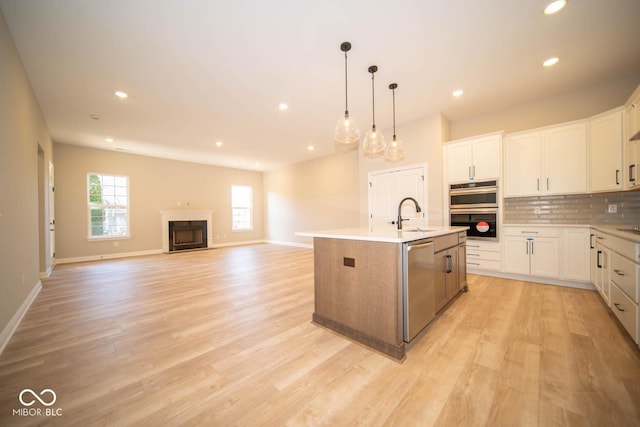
pixel 223 337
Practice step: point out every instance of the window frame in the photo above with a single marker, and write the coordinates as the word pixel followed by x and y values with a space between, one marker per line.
pixel 235 229
pixel 91 205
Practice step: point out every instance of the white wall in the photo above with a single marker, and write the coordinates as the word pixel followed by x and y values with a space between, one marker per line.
pixel 313 195
pixel 22 131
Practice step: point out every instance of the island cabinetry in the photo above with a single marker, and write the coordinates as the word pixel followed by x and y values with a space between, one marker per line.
pixel 358 291
pixel 447 281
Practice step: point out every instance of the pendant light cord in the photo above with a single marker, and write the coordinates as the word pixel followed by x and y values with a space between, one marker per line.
pixel 346 92
pixel 373 98
pixel 394 113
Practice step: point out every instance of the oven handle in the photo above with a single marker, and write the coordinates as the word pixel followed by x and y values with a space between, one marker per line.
pixel 473 210
pixel 476 190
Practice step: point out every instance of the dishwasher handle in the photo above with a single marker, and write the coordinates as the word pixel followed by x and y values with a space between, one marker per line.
pixel 421 245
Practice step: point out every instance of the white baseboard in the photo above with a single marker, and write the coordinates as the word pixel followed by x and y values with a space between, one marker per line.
pixel 543 280
pixel 107 256
pixel 11 327
pixel 298 245
pixel 243 243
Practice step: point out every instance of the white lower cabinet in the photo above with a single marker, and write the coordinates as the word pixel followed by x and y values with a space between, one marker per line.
pixel 532 251
pixel 617 278
pixel 576 262
pixel 560 253
pixel 601 279
pixel 483 255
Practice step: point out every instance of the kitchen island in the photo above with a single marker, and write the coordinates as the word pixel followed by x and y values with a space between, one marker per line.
pixel 369 289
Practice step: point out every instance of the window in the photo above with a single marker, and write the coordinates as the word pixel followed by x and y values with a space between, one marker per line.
pixel 242 207
pixel 108 197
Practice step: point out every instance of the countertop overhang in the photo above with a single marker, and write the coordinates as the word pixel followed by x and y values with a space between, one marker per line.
pixel 382 234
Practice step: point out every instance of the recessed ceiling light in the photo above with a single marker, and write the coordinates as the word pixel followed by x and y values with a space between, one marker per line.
pixel 121 95
pixel 218 143
pixel 458 92
pixel 311 147
pixel 257 164
pixel 282 106
pixel 554 7
pixel 95 116
pixel 551 61
pixel 109 139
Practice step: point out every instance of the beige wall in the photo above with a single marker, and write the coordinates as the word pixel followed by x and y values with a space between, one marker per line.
pixel 155 184
pixel 566 107
pixel 422 140
pixel 22 215
pixel 313 195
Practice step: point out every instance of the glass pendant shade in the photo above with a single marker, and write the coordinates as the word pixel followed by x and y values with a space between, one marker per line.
pixel 395 151
pixel 373 143
pixel 347 131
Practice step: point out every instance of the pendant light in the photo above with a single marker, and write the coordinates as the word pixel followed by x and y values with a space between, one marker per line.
pixel 347 132
pixel 395 150
pixel 373 144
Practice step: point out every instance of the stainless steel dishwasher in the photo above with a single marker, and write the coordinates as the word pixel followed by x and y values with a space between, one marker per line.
pixel 418 289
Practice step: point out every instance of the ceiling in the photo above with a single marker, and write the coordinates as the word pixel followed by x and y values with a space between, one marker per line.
pixel 198 72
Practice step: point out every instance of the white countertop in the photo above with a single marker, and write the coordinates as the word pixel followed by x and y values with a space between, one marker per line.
pixel 382 234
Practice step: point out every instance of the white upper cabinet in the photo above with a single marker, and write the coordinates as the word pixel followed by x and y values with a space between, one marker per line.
pixel 605 152
pixel 475 158
pixel 548 161
pixel 632 143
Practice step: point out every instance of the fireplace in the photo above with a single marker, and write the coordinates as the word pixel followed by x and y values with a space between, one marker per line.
pixel 185 235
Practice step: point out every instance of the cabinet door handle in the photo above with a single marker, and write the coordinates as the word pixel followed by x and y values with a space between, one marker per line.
pixel 598 261
pixel 617 176
pixel 618 306
pixel 538 184
pixel 532 247
pixel 547 184
pixel 632 173
pixel 470 176
pixel 449 263
pixel 474 171
pixel 527 247
pixel 591 236
pixel 619 272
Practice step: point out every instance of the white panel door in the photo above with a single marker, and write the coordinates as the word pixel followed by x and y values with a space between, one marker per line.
pixel 381 196
pixel 410 183
pixel 388 188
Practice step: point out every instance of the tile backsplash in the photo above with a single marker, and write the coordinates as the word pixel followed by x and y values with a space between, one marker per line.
pixel 574 209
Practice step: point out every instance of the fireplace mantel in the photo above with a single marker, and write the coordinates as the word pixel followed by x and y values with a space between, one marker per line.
pixel 185 215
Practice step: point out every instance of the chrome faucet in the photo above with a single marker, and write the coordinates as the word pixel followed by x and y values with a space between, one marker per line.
pixel 400 209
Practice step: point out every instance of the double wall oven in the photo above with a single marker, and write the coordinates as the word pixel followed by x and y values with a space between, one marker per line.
pixel 475 205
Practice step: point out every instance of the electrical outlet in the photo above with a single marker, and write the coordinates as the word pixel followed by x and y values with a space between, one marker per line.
pixel 613 208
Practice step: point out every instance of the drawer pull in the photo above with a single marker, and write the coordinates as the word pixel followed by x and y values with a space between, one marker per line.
pixel 619 272
pixel 618 305
pixel 468 254
pixel 472 263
